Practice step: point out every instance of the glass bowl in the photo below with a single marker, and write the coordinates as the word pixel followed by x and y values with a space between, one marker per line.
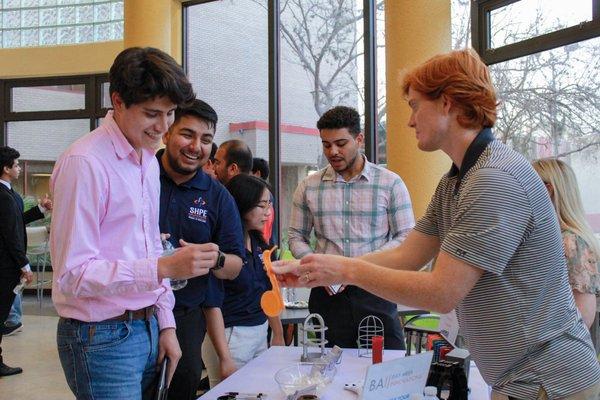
pixel 298 376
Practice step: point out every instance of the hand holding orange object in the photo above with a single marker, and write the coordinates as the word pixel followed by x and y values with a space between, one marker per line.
pixel 271 301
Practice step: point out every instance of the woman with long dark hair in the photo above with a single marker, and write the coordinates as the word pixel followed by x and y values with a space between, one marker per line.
pixel 245 323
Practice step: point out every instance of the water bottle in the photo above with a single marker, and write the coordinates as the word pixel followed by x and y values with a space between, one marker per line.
pixel 19 288
pixel 168 248
pixel 430 393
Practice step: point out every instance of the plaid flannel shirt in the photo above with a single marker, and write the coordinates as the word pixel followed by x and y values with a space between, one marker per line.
pixel 370 212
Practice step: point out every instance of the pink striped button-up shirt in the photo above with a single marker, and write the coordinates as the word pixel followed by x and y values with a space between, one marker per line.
pixel 105 238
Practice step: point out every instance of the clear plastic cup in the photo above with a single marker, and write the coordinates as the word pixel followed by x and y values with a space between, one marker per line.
pixel 168 248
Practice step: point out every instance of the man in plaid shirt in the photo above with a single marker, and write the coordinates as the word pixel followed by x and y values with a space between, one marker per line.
pixel 355 207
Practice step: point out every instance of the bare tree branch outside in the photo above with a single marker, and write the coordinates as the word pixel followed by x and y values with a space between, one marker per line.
pixel 549 101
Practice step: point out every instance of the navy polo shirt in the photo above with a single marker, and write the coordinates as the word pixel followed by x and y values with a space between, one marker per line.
pixel 200 210
pixel 241 306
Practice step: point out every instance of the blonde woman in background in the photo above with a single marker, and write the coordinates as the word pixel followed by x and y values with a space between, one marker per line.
pixel 581 247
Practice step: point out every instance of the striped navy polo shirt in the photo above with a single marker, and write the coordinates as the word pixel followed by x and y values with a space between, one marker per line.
pixel 520 320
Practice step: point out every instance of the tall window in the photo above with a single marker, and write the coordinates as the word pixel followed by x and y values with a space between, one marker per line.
pixel 27 23
pixel 321 65
pixel 548 86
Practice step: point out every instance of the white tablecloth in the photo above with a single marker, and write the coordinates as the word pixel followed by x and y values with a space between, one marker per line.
pixel 258 375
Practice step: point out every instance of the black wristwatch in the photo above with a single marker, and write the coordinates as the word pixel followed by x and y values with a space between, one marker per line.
pixel 220 261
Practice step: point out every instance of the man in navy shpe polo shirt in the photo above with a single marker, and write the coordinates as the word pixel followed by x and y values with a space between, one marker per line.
pixel 195 208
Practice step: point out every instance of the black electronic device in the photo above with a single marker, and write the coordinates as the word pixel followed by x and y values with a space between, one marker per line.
pixel 449 376
pixel 162 390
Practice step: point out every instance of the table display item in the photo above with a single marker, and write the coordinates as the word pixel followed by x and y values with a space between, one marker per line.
pixel 369 327
pixel 313 335
pixel 421 338
pixel 430 393
pixel 296 379
pixel 271 301
pixel 297 304
pixel 168 249
pixel 449 378
pixel 242 396
pixel 354 388
pixel 462 357
pixel 377 349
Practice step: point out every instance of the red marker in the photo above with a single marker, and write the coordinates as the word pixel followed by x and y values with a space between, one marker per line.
pixel 377 349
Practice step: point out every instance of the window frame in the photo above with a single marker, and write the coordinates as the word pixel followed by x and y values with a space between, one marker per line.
pixel 93 101
pixel 481 33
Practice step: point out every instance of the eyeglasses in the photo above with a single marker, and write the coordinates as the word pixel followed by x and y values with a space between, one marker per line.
pixel 265 204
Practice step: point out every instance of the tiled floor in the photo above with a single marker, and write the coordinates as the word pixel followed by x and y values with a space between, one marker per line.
pixel 34 350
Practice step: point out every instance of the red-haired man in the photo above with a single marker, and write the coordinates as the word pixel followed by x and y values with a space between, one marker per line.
pixel 492 229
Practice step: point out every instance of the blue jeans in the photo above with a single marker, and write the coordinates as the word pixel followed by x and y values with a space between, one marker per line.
pixel 16 312
pixel 109 360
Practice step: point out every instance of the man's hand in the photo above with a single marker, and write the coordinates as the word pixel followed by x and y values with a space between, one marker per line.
pixel 46 202
pixel 288 272
pixel 313 270
pixel 28 275
pixel 168 346
pixel 188 261
pixel 227 367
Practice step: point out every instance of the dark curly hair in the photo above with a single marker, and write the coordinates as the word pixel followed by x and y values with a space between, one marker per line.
pixel 198 109
pixel 340 117
pixel 141 74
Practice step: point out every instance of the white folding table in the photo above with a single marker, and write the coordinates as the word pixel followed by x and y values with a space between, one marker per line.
pixel 258 375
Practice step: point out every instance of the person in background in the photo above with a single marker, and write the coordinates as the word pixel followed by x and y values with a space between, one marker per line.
pixel 245 323
pixel 581 246
pixel 493 233
pixel 110 285
pixel 14 264
pixel 354 207
pixel 209 166
pixel 260 169
pixel 233 157
pixel 196 209
pixel 13 323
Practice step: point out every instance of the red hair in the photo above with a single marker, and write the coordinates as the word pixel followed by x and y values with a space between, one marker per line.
pixel 464 79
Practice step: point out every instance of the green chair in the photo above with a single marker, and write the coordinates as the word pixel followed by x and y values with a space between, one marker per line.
pixel 426 321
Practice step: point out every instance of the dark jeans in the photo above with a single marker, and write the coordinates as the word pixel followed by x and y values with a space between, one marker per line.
pixel 112 360
pixel 6 299
pixel 191 328
pixel 344 311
